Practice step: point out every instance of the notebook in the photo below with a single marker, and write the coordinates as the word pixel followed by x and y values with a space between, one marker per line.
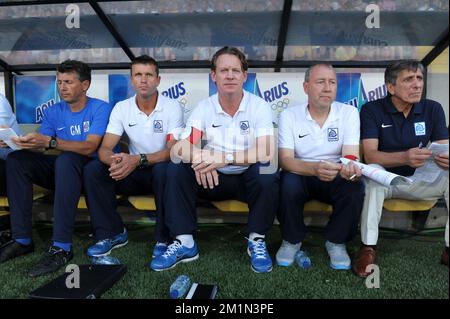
pixel 94 280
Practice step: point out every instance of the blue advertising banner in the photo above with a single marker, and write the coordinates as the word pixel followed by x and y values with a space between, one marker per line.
pixel 33 94
pixel 120 88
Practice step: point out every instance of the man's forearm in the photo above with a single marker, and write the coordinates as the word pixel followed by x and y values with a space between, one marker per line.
pixel 298 166
pixel 386 159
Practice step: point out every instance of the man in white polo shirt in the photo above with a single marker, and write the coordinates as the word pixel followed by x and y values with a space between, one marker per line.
pixel 147 119
pixel 238 131
pixel 312 139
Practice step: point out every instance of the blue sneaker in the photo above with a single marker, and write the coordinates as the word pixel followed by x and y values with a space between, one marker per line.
pixel 174 254
pixel 159 249
pixel 104 247
pixel 260 258
pixel 339 258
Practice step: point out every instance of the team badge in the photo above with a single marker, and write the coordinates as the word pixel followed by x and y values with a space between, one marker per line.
pixel 86 126
pixel 245 127
pixel 157 126
pixel 333 134
pixel 420 129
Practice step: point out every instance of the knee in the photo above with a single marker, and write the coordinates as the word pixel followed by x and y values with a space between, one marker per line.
pixel 67 160
pixel 16 160
pixel 357 191
pixel 159 172
pixel 267 181
pixel 93 169
pixel 291 186
pixel 177 171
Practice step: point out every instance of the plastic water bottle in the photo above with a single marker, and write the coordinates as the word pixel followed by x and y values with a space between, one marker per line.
pixel 303 260
pixel 105 260
pixel 179 287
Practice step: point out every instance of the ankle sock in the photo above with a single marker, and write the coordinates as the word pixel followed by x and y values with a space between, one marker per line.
pixel 186 240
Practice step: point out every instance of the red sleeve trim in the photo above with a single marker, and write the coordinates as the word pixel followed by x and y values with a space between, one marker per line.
pixel 196 136
pixel 351 157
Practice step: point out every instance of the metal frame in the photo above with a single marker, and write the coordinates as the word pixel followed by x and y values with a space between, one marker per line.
pixel 442 44
pixel 277 64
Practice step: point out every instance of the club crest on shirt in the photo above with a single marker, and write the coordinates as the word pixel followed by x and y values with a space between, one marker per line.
pixel 158 126
pixel 420 128
pixel 245 127
pixel 86 126
pixel 333 134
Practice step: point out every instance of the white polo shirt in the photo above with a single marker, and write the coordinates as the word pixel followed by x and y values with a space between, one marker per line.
pixel 298 131
pixel 147 134
pixel 228 134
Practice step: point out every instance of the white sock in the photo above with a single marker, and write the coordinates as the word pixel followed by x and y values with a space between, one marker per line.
pixel 252 236
pixel 186 240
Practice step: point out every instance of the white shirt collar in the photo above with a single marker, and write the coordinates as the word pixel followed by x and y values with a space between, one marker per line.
pixel 332 116
pixel 158 106
pixel 242 105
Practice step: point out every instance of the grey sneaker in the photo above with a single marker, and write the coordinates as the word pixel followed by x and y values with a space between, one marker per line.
pixel 286 254
pixel 339 258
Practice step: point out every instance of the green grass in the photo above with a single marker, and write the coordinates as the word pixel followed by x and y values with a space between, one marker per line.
pixel 409 267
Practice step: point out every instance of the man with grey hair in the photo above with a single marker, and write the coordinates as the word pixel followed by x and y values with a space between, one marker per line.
pixel 312 138
pixel 394 133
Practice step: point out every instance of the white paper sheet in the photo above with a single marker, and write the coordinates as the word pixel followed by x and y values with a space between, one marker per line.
pixel 381 176
pixel 429 172
pixel 5 136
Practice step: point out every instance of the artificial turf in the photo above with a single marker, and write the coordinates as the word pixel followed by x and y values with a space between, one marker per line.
pixel 409 267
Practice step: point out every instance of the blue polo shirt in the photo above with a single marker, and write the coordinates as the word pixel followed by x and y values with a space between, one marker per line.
pixel 395 133
pixel 61 122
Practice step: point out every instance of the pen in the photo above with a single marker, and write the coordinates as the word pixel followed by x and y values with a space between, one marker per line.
pixel 352 177
pixel 420 145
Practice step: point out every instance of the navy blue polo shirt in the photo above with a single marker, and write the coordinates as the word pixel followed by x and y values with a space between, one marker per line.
pixel 395 133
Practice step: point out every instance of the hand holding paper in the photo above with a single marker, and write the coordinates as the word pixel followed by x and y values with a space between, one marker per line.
pixel 6 135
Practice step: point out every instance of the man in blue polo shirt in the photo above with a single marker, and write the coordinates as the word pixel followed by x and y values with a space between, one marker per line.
pixel 75 126
pixel 395 132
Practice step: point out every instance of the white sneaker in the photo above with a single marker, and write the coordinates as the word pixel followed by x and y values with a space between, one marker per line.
pixel 286 254
pixel 339 258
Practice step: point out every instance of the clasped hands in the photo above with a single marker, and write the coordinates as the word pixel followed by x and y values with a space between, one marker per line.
pixel 205 164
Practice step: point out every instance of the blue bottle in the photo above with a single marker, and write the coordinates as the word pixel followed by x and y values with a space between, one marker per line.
pixel 105 260
pixel 179 287
pixel 303 260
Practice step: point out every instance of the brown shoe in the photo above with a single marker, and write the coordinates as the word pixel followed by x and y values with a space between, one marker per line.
pixel 444 257
pixel 365 256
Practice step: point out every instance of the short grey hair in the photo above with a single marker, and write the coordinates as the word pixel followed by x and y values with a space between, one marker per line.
pixel 392 71
pixel 308 71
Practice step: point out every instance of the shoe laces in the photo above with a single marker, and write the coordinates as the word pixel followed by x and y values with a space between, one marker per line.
pixel 54 254
pixel 259 248
pixel 172 249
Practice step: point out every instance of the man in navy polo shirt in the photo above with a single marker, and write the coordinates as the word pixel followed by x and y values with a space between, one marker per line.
pixel 395 131
pixel 238 131
pixel 75 126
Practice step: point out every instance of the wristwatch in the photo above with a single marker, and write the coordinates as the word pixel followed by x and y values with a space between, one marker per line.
pixel 229 158
pixel 53 143
pixel 143 161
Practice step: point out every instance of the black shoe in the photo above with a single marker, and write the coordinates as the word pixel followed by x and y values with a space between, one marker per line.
pixel 53 260
pixel 5 237
pixel 13 249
